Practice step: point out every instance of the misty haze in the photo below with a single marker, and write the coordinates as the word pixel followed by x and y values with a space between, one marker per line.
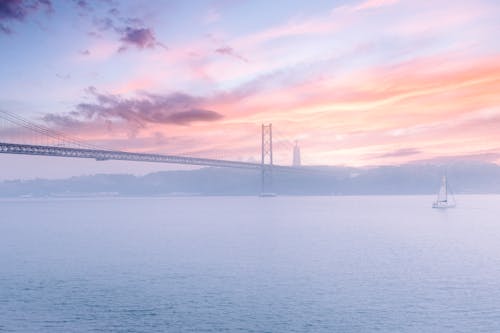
pixel 249 166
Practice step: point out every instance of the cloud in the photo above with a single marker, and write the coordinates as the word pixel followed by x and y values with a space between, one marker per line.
pixel 488 156
pixel 176 109
pixel 104 24
pixel 62 121
pixel 63 76
pixel 401 153
pixel 372 4
pixel 131 32
pixel 186 117
pixel 134 33
pixel 114 11
pixel 381 89
pixel 229 51
pixel 82 4
pixel 18 10
pixel 139 37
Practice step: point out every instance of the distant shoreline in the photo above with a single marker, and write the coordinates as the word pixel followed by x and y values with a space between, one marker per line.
pixel 410 179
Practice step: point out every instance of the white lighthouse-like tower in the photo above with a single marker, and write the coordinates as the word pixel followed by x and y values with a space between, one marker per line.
pixel 296 155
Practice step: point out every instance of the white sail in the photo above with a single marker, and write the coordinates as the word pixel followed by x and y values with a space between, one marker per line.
pixel 443 191
pixel 442 199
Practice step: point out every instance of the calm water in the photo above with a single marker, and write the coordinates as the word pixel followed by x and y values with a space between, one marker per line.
pixel 330 264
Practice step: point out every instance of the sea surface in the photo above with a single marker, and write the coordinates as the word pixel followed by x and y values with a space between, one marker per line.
pixel 249 264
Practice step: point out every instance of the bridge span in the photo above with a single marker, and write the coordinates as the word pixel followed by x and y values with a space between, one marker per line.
pixel 104 155
pixel 62 145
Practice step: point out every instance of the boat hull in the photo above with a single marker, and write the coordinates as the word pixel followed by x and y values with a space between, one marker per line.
pixel 443 205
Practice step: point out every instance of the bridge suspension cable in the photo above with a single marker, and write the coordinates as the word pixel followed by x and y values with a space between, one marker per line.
pixel 46 134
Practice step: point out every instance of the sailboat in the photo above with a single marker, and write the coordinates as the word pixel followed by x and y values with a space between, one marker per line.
pixel 443 199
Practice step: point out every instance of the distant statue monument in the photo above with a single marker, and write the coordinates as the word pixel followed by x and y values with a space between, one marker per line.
pixel 296 155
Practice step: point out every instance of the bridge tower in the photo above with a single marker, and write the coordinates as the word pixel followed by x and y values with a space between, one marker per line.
pixel 296 155
pixel 267 161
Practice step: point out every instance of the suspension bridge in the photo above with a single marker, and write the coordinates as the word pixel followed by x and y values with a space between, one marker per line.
pixel 40 140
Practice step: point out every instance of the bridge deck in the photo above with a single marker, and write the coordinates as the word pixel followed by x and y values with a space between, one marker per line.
pixel 103 155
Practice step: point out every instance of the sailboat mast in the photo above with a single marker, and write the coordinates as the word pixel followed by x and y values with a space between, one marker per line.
pixel 445 184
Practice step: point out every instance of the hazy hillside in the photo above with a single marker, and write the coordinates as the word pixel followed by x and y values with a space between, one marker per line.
pixel 464 177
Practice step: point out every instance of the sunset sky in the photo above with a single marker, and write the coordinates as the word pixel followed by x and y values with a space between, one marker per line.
pixel 356 82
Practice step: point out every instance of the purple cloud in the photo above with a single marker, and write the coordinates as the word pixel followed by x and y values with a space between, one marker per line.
pixel 229 51
pixel 401 153
pixel 104 24
pixel 18 10
pixel 193 115
pixel 177 109
pixel 62 121
pixel 139 37
pixel 130 31
pixel 63 76
pixel 114 11
pixel 83 4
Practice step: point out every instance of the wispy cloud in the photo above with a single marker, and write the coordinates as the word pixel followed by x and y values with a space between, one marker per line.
pixel 84 52
pixel 229 51
pixel 130 31
pixel 372 4
pixel 403 152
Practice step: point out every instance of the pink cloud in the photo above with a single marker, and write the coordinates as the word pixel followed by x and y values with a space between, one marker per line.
pixel 311 26
pixel 371 4
pixel 383 111
pixel 359 117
